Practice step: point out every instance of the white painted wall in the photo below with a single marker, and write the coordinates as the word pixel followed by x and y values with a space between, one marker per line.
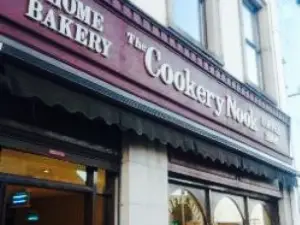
pixel 144 182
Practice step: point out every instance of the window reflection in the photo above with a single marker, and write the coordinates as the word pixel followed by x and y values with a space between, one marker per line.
pixel 41 167
pixel 226 212
pixel 252 64
pixel 259 216
pixel 99 178
pixel 184 209
pixel 249 28
pixel 187 16
pixel 251 42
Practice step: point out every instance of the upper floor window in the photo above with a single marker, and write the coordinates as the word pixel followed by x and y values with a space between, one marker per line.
pixel 252 48
pixel 187 18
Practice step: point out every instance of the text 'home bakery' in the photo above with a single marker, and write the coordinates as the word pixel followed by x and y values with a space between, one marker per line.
pixel 88 34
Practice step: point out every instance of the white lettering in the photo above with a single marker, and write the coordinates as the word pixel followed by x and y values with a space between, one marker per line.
pixel 98 21
pixel 210 96
pixel 239 115
pixel 189 85
pixel 81 34
pixel 130 37
pixel 179 81
pixel 50 21
pixel 56 3
pixel 166 73
pixel 150 54
pixel 219 105
pixel 68 27
pixel 64 27
pixel 35 10
pixel 69 6
pixel 106 44
pixel 201 94
pixel 83 13
pixel 95 42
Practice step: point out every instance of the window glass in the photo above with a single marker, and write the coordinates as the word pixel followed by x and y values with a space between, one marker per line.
pixel 43 206
pixel 186 15
pixel 251 44
pixel 184 209
pixel 100 181
pixel 30 165
pixel 252 65
pixel 259 216
pixel 248 18
pixel 227 212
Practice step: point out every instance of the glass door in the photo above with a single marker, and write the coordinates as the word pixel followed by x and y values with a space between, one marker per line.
pixel 36 189
pixel 25 205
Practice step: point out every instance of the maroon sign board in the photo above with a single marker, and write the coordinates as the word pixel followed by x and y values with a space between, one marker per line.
pixel 88 36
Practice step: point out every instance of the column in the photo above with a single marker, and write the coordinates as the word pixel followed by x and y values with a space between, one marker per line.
pixel 144 182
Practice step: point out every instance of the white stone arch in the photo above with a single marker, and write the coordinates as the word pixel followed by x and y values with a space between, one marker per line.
pixel 227 212
pixel 259 216
pixel 185 209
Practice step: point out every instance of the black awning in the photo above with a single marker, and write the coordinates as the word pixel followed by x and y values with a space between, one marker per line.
pixel 54 91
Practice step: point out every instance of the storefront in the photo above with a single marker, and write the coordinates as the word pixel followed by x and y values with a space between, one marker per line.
pixel 107 117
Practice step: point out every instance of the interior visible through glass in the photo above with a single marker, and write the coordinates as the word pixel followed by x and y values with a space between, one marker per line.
pixel 40 167
pixel 31 205
pixel 184 209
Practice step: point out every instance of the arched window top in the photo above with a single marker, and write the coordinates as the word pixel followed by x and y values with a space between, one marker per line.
pixel 184 209
pixel 227 212
pixel 259 216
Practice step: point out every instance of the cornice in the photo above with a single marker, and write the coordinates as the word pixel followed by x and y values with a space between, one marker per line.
pixel 197 56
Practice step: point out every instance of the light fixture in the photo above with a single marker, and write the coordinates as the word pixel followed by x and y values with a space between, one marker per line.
pixel 46 171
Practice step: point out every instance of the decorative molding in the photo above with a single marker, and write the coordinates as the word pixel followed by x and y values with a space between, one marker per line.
pixel 197 56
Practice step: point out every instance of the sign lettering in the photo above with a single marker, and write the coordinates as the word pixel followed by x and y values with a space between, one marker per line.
pixel 85 27
pixel 182 82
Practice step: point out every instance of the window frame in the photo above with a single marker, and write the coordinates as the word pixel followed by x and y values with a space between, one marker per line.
pixel 253 6
pixel 202 42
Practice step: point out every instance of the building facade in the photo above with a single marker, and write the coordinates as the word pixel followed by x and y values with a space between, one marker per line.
pixel 288 18
pixel 130 112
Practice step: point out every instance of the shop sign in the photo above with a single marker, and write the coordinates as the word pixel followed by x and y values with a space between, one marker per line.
pixel 182 82
pixel 86 26
pixel 86 35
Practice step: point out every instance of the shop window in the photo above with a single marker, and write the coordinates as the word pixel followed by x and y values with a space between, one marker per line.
pixel 184 209
pixel 187 18
pixel 40 167
pixel 99 178
pixel 227 212
pixel 252 50
pixel 259 216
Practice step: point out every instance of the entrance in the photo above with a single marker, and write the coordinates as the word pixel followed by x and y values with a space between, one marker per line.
pixel 36 189
pixel 26 205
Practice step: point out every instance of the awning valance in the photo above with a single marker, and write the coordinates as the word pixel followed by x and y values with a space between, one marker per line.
pixel 74 98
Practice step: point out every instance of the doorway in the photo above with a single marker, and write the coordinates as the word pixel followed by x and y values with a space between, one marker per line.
pixel 37 189
pixel 25 205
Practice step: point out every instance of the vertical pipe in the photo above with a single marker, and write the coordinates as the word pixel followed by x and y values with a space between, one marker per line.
pixel 90 198
pixel 208 206
pixel 246 208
